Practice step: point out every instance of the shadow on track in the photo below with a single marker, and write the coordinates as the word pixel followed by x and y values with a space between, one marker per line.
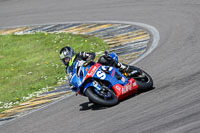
pixel 89 105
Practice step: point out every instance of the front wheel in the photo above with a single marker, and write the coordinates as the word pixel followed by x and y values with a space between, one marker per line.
pixel 106 98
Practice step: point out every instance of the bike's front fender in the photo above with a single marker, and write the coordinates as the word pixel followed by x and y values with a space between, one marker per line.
pixel 92 84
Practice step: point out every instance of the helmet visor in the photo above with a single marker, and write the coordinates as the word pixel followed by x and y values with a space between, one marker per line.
pixel 66 60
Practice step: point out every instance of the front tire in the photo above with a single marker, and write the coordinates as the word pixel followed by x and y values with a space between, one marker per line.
pixel 97 99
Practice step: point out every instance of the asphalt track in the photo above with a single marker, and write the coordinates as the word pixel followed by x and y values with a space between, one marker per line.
pixel 173 106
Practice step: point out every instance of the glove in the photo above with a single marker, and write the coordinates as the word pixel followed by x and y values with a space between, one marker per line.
pixel 83 55
pixel 87 56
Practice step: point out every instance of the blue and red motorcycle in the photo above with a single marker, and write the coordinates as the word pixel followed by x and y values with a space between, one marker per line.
pixel 106 85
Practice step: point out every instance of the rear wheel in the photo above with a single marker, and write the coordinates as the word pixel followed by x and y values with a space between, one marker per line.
pixel 105 97
pixel 143 80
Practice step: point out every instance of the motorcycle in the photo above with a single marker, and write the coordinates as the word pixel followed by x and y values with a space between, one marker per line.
pixel 106 85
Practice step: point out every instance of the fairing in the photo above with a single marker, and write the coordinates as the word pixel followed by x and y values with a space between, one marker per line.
pixel 118 82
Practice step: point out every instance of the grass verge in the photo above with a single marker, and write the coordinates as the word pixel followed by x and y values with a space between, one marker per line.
pixel 30 63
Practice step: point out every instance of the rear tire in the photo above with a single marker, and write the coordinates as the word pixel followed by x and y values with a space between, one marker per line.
pixel 95 98
pixel 144 80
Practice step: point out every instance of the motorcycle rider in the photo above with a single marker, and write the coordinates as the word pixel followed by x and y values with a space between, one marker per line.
pixel 68 57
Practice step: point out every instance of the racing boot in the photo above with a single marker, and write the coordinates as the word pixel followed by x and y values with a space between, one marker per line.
pixel 128 71
pixel 123 68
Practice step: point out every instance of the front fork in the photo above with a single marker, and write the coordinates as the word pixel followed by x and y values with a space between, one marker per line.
pixel 92 84
pixel 100 90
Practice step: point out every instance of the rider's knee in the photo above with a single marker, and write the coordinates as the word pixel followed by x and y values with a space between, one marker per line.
pixel 102 60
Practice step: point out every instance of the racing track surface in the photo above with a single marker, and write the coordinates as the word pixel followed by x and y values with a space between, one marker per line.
pixel 173 106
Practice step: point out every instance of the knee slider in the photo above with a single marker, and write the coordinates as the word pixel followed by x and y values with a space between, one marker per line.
pixel 102 60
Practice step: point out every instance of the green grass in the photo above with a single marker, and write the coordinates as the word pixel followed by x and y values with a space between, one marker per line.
pixel 31 62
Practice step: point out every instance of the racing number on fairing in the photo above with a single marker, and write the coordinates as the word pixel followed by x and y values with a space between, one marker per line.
pixel 101 75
